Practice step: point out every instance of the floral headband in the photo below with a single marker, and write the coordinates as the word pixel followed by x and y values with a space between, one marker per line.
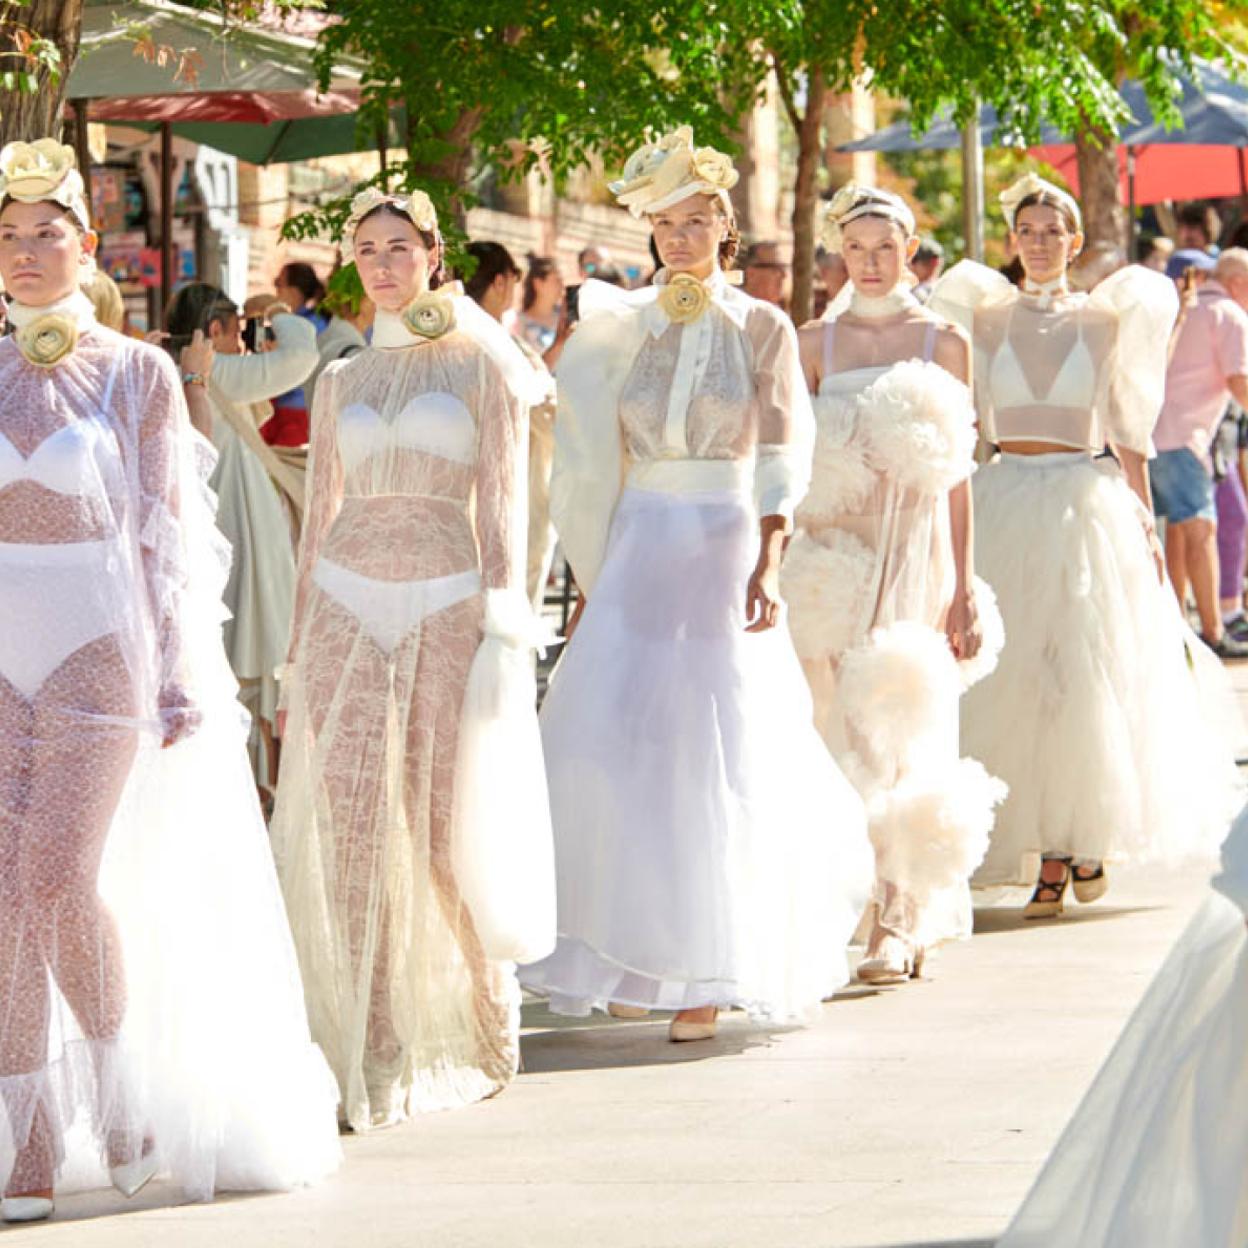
pixel 1033 184
pixel 44 171
pixel 661 174
pixel 853 201
pixel 417 207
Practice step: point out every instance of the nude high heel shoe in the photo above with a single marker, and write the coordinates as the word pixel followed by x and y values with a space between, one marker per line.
pixel 895 962
pixel 618 1010
pixel 683 1031
pixel 1090 888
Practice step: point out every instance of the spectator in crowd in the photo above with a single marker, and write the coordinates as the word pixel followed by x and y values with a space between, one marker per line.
pixel 541 308
pixel 1208 367
pixel 1155 252
pixel 1198 228
pixel 766 274
pixel 350 322
pixel 1230 473
pixel 493 286
pixel 260 591
pixel 298 287
pixel 1201 262
pixel 926 264
pixel 592 260
pixel 832 277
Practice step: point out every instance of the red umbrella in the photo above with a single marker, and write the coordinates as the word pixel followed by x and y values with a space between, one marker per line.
pixel 259 108
pixel 1164 170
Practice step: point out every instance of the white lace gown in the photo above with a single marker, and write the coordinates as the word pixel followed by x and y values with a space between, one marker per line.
pixel 869 578
pixel 149 993
pixel 411 830
pixel 1113 726
pixel 708 850
pixel 1156 1154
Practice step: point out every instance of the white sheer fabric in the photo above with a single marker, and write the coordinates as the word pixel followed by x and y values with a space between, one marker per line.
pixel 1113 726
pixel 1078 370
pixel 709 852
pixel 869 578
pixel 261 588
pixel 1156 1153
pixel 151 1000
pixel 401 879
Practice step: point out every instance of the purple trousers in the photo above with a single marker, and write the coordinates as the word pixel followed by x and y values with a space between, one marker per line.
pixel 1232 529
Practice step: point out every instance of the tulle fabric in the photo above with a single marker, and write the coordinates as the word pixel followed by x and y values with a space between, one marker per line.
pixel 1113 726
pixel 151 1003
pixel 869 579
pixel 412 729
pixel 1157 1152
pixel 709 851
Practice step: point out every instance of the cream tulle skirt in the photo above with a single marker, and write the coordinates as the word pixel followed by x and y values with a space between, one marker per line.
pixel 1156 1156
pixel 1113 725
pixel 709 852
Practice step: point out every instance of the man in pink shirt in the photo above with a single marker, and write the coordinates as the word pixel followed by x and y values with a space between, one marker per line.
pixel 1208 366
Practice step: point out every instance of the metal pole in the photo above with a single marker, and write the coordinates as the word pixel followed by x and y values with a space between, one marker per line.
pixel 166 217
pixel 973 189
pixel 1132 232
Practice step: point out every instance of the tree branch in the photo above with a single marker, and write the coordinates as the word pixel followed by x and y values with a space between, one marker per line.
pixel 786 90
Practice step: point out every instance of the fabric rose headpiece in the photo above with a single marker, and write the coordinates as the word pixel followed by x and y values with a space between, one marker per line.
pixel 853 201
pixel 661 174
pixel 417 207
pixel 1033 184
pixel 44 171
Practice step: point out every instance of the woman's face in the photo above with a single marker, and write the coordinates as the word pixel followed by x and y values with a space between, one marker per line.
pixel 393 261
pixel 875 251
pixel 688 235
pixel 1044 242
pixel 41 253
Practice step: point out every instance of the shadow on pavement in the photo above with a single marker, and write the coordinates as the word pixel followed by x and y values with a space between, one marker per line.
pixel 550 1042
pixel 106 1203
pixel 949 1243
pixel 991 919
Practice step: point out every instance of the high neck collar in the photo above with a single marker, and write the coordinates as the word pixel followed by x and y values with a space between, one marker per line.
pixel 877 307
pixel 390 334
pixel 76 306
pixel 716 283
pixel 1045 293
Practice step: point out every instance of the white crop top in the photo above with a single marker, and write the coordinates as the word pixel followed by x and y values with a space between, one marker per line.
pixel 435 422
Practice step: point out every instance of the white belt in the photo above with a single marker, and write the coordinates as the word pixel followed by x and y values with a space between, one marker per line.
pixel 692 476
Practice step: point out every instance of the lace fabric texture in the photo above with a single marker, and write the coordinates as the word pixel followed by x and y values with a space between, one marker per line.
pixel 1079 370
pixel 417 498
pixel 150 998
pixel 868 581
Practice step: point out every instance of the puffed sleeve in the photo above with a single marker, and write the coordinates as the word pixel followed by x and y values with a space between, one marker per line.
pixel 266 374
pixel 162 542
pixel 1232 880
pixel 322 497
pixel 589 456
pixel 786 421
pixel 1145 305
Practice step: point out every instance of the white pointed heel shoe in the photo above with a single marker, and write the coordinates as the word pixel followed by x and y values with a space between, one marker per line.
pixel 895 962
pixel 132 1177
pixel 617 1010
pixel 25 1208
pixel 683 1031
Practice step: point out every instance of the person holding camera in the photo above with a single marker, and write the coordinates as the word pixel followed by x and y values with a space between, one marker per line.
pixel 254 517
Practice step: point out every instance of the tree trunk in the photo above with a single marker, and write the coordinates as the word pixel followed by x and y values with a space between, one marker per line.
pixel 805 199
pixel 1104 217
pixel 38 114
pixel 452 166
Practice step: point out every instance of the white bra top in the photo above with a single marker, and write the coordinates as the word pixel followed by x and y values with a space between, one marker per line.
pixel 436 423
pixel 1073 387
pixel 65 461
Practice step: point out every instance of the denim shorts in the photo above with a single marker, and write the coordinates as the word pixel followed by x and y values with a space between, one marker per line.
pixel 1182 487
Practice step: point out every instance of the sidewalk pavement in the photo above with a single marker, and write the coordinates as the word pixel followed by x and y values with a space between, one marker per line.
pixel 908 1117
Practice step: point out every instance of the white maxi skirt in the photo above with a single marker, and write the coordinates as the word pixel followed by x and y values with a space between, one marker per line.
pixel 708 850
pixel 1113 725
pixel 1157 1153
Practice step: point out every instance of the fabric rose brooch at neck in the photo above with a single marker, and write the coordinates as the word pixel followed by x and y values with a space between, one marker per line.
pixel 47 341
pixel 430 315
pixel 683 299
